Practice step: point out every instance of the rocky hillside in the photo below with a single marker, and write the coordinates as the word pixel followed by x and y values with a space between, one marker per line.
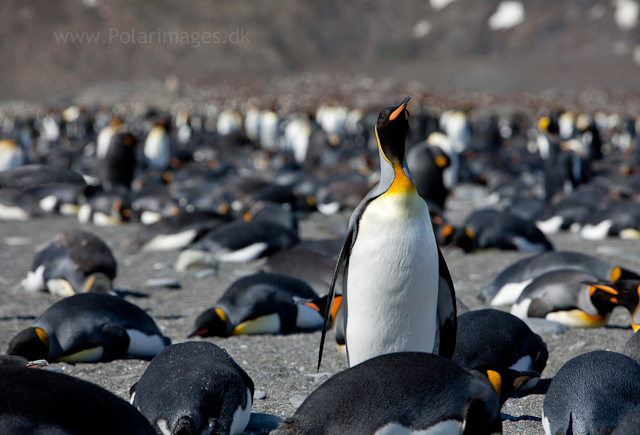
pixel 468 44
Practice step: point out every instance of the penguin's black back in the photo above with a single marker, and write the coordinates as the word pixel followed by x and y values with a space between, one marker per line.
pixel 262 294
pixel 632 348
pixel 44 402
pixel 496 229
pixel 592 392
pixel 414 389
pixel 240 234
pixel 536 265
pixel 494 337
pixel 27 176
pixel 195 379
pixel 426 174
pixel 73 319
pixel 87 251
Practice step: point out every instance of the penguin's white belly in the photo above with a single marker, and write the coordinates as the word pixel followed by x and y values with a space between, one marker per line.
pixel 392 288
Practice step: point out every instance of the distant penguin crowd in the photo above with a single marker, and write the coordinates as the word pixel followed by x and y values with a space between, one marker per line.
pixel 234 182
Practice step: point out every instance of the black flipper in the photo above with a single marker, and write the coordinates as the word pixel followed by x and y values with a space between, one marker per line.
pixel 344 255
pixel 446 311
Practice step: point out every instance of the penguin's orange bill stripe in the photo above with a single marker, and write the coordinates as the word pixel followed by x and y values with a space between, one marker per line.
pixel 520 379
pixel 401 183
pixel 399 110
pixel 447 230
pixel 613 300
pixel 604 288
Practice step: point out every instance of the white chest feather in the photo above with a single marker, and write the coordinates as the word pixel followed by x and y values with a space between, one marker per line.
pixel 392 287
pixel 143 345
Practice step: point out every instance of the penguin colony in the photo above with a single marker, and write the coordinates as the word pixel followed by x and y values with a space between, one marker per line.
pixel 236 184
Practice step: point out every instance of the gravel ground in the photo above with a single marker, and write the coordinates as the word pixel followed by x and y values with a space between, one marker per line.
pixel 283 367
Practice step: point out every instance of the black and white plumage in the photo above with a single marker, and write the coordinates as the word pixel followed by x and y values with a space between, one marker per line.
pixel 493 229
pixel 90 327
pixel 74 262
pixel 264 303
pixel 398 295
pixel 194 388
pixel 507 286
pixel 406 392
pixel 591 393
pixel 37 401
pixel 493 337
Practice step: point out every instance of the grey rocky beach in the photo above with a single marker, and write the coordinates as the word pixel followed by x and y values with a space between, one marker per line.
pixel 283 367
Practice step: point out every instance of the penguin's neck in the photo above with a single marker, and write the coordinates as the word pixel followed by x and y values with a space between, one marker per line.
pixel 402 185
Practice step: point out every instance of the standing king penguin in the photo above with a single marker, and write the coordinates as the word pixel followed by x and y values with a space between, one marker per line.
pixel 397 293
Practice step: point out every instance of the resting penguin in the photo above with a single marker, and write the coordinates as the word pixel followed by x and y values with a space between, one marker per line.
pixel 260 304
pixel 238 242
pixel 498 338
pixel 507 286
pixel 194 388
pixel 568 297
pixel 89 327
pixel 35 401
pixel 398 295
pixel 591 393
pixel 493 229
pixel 403 393
pixel 74 262
pixel 625 293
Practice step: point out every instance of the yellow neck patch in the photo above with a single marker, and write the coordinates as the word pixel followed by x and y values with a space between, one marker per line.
pixel 42 336
pixel 496 381
pixel 221 314
pixel 615 274
pixel 401 183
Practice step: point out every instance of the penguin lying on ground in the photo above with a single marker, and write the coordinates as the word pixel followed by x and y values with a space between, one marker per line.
pixel 569 297
pixel 178 231
pixel 242 240
pixel 507 286
pixel 493 229
pixel 406 392
pixel 194 388
pixel 35 401
pixel 626 293
pixel 398 294
pixel 74 262
pixel 260 304
pixel 591 393
pixel 493 337
pixel 89 327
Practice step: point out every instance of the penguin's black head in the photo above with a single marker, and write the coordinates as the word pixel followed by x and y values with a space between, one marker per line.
pixel 211 323
pixel 32 343
pixel 625 292
pixel 503 380
pixel 392 128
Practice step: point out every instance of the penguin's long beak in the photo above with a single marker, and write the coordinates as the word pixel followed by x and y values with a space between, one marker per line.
pixel 400 108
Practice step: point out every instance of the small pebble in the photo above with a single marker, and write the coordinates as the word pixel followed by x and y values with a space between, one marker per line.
pixel 296 401
pixel 163 282
pixel 545 327
pixel 205 273
pixel 577 345
pixel 259 395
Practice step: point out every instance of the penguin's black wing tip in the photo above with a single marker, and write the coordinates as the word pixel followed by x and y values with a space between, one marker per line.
pixel 344 254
